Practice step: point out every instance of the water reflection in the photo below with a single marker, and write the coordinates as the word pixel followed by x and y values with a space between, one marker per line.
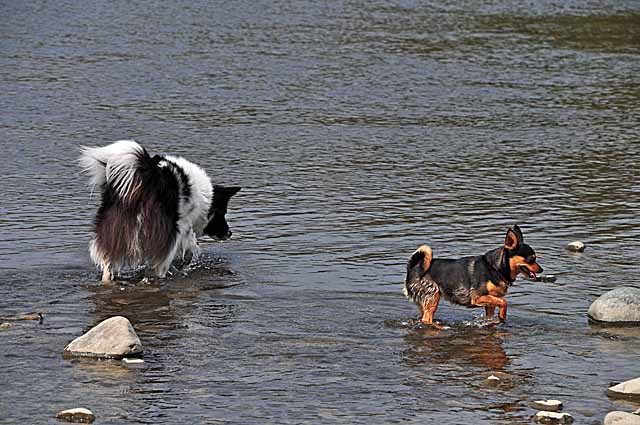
pixel 459 347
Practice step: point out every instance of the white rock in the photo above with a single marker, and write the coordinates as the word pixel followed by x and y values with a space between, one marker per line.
pixel 621 418
pixel 576 246
pixel 545 417
pixel 628 389
pixel 546 405
pixel 113 338
pixel 78 415
pixel 132 362
pixel 619 305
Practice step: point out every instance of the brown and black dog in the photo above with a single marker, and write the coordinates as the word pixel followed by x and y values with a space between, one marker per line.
pixel 479 281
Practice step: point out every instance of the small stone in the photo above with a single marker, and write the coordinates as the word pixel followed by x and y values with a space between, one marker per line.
pixel 546 278
pixel 132 362
pixel 492 380
pixel 32 316
pixel 629 390
pixel 545 417
pixel 576 246
pixel 113 338
pixel 78 415
pixel 5 325
pixel 621 418
pixel 546 405
pixel 620 306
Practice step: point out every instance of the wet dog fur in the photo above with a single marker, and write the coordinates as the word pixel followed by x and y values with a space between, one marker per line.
pixel 152 209
pixel 477 281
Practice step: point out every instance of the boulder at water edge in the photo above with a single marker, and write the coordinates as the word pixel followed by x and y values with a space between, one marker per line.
pixel 619 306
pixel 113 338
pixel 621 418
pixel 628 389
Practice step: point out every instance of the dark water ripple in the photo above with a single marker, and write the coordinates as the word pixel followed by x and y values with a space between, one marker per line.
pixel 358 132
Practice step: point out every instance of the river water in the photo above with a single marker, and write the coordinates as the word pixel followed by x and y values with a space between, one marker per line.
pixel 358 131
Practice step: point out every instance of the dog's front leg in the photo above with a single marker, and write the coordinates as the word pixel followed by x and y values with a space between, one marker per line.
pixel 490 302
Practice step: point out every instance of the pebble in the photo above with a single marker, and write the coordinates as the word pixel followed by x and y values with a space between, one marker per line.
pixel 620 305
pixel 546 405
pixel 78 415
pixel 629 390
pixel 492 380
pixel 545 417
pixel 546 278
pixel 621 418
pixel 132 362
pixel 576 246
pixel 113 338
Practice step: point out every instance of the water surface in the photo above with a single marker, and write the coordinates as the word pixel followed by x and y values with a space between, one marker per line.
pixel 358 130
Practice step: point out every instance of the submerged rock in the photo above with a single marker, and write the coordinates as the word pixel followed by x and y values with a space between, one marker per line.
pixel 545 417
pixel 628 389
pixel 621 418
pixel 621 305
pixel 113 338
pixel 78 415
pixel 546 405
pixel 576 246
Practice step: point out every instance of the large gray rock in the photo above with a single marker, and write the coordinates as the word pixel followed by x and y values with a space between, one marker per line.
pixel 113 338
pixel 621 418
pixel 628 389
pixel 621 305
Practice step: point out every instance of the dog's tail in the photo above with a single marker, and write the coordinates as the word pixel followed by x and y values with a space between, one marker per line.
pixel 418 264
pixel 116 164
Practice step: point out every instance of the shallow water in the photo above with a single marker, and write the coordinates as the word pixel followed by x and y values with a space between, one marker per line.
pixel 358 130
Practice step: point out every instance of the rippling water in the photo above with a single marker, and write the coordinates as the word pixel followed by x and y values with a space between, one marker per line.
pixel 358 130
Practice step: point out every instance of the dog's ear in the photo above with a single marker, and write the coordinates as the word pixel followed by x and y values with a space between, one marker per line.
pixel 518 233
pixel 511 241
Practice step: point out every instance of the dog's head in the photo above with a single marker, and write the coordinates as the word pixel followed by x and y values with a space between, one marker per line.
pixel 521 257
pixel 217 227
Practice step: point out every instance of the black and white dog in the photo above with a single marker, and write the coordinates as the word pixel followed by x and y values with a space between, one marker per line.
pixel 152 209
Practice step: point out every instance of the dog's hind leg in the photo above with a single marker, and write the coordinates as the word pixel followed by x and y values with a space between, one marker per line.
pixel 107 276
pixel 429 305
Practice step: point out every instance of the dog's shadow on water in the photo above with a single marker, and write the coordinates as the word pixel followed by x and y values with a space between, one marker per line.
pixel 475 343
pixel 153 304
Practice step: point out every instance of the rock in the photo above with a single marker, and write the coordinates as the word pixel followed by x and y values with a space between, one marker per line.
pixel 5 325
pixel 621 305
pixel 492 380
pixel 546 405
pixel 621 418
pixel 32 316
pixel 545 417
pixel 576 246
pixel 113 338
pixel 629 390
pixel 132 362
pixel 545 278
pixel 79 415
